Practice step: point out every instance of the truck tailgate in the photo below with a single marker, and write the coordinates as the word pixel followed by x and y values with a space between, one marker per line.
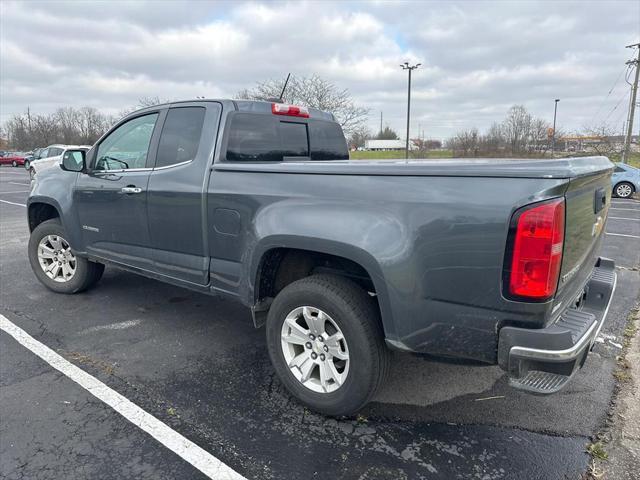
pixel 587 205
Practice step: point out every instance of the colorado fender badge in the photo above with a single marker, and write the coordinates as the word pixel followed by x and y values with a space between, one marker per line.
pixel 597 227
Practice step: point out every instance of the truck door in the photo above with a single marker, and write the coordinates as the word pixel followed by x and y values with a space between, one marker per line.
pixel 177 192
pixel 111 198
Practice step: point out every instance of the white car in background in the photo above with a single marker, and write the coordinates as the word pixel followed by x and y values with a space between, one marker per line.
pixel 51 156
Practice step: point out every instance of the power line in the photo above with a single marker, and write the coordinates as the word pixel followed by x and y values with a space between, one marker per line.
pixel 616 107
pixel 615 84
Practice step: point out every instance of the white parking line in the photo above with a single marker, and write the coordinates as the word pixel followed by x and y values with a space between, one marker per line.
pixel 16 191
pixel 19 183
pixel 624 218
pixel 13 203
pixel 613 208
pixel 183 447
pixel 623 235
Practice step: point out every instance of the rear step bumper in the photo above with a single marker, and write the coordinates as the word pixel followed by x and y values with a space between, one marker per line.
pixel 543 360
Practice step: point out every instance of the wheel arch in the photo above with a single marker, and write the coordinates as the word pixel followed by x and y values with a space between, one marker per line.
pixel 39 211
pixel 303 256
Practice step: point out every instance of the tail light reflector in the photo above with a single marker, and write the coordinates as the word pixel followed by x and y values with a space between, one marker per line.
pixel 289 110
pixel 537 250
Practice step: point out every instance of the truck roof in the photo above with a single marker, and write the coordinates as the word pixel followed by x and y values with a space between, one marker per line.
pixel 252 106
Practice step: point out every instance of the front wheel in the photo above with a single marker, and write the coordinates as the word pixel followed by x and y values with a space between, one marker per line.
pixel 326 343
pixel 623 190
pixel 14 164
pixel 55 265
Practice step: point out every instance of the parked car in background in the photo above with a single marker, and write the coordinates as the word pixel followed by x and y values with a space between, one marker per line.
pixel 625 180
pixel 12 158
pixel 51 156
pixel 31 156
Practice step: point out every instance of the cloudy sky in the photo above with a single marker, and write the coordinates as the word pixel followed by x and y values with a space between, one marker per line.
pixel 478 58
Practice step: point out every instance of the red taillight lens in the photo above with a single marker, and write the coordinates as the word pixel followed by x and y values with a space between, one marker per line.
pixel 537 251
pixel 290 110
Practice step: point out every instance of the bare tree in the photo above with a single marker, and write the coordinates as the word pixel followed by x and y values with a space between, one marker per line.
pixel 387 133
pixel 465 143
pixel 314 92
pixel 66 125
pixel 539 139
pixel 517 128
pixel 602 139
pixel 519 134
pixel 493 141
pixel 150 101
pixel 358 137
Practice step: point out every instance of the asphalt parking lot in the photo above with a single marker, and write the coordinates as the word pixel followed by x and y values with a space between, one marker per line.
pixel 197 364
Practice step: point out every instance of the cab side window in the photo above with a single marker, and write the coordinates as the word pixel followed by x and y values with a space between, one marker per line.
pixel 128 145
pixel 180 136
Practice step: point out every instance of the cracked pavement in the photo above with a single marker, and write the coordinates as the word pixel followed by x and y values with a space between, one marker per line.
pixel 196 363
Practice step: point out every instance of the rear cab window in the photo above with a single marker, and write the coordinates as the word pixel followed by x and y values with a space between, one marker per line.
pixel 267 138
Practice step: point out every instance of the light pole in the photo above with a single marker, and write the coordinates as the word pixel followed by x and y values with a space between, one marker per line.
pixel 410 68
pixel 553 135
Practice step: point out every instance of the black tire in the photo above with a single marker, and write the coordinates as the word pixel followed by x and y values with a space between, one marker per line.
pixel 14 164
pixel 86 275
pixel 26 164
pixel 358 317
pixel 631 189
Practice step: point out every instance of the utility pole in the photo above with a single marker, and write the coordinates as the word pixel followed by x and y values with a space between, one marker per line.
pixel 553 135
pixel 381 122
pixel 410 68
pixel 632 107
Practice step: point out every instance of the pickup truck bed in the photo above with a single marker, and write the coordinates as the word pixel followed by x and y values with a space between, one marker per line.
pixel 493 260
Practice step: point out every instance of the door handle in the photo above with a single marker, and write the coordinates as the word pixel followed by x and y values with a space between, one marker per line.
pixel 131 189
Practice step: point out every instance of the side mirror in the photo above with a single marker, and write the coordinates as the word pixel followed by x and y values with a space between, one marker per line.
pixel 73 160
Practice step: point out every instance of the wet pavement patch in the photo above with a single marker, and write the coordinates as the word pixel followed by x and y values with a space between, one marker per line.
pixel 259 415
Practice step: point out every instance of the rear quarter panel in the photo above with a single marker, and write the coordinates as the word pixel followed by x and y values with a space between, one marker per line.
pixel 434 246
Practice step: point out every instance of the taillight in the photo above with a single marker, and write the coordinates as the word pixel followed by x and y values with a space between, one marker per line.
pixel 290 110
pixel 537 242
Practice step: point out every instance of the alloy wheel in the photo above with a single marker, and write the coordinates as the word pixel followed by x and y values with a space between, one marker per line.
pixel 623 190
pixel 315 349
pixel 55 258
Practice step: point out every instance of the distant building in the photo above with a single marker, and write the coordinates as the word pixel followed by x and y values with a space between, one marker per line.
pixel 383 145
pixel 586 143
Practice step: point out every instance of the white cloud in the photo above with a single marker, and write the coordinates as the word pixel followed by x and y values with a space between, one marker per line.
pixel 478 57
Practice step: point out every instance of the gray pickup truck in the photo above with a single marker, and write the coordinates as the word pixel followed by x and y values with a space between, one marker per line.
pixel 492 260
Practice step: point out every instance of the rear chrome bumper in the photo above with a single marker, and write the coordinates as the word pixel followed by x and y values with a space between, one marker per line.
pixel 544 360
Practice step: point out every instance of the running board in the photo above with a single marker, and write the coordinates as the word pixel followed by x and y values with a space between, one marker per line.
pixel 539 382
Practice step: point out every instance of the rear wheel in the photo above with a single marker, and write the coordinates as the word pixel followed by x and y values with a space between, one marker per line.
pixel 326 343
pixel 624 190
pixel 55 265
pixel 14 164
